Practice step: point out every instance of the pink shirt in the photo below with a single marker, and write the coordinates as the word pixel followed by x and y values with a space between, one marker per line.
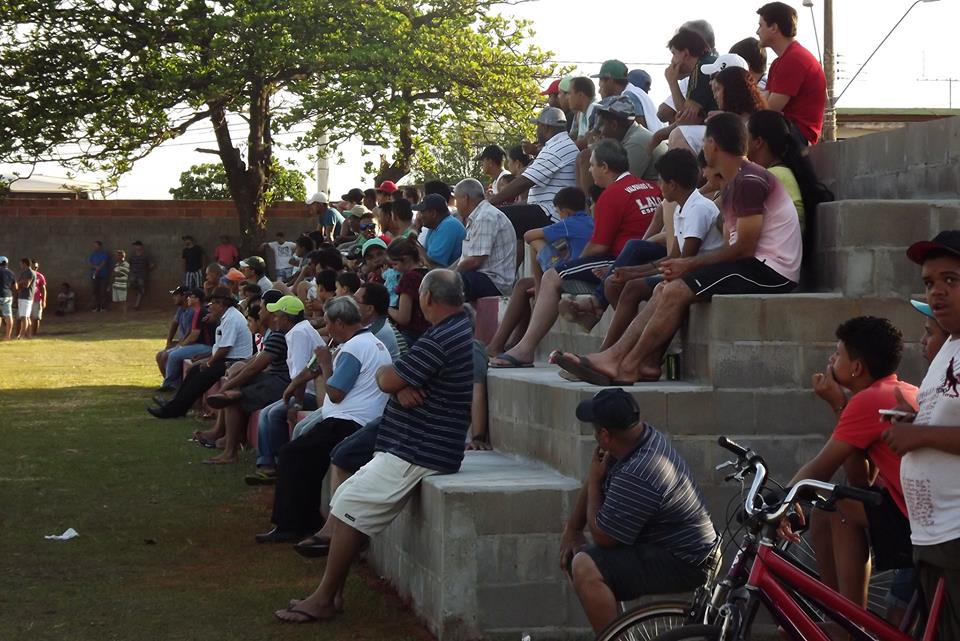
pixel 41 282
pixel 755 191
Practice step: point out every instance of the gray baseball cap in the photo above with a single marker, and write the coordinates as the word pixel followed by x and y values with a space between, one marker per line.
pixel 552 117
pixel 620 107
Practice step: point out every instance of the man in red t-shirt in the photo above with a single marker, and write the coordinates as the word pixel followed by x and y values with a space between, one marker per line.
pixel 796 84
pixel 622 213
pixel 865 363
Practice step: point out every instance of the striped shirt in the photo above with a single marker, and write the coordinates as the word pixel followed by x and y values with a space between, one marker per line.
pixel 276 346
pixel 121 274
pixel 554 168
pixel 440 363
pixel 650 497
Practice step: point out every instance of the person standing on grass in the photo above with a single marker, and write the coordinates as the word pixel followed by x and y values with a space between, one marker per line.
pixel 39 299
pixel 8 284
pixel 192 256
pixel 26 290
pixel 421 434
pixel 140 266
pixel 99 262
pixel 121 279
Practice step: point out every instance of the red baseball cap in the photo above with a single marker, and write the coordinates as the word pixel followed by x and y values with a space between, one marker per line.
pixel 387 187
pixel 554 88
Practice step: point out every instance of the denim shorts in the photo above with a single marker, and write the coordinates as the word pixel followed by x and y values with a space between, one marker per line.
pixel 6 307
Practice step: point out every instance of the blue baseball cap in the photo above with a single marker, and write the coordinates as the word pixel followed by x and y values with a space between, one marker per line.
pixel 610 408
pixel 434 202
pixel 922 307
pixel 640 78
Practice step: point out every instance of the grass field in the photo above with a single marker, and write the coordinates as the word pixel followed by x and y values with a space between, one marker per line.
pixel 166 547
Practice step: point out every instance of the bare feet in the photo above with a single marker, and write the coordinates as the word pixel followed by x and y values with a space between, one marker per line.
pixel 221 459
pixel 583 310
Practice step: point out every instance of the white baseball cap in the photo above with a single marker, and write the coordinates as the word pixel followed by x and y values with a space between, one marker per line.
pixel 722 62
pixel 319 197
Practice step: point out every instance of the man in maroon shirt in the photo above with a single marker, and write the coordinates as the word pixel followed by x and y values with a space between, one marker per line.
pixel 796 85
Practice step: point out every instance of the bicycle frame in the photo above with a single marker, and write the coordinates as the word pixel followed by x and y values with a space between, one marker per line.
pixel 770 571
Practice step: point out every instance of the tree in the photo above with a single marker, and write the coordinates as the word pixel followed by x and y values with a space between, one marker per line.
pixel 98 84
pixel 208 181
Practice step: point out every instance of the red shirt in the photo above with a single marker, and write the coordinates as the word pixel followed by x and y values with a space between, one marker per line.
pixel 624 211
pixel 226 254
pixel 798 74
pixel 861 427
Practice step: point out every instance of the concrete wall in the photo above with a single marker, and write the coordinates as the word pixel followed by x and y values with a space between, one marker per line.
pixel 920 160
pixel 59 234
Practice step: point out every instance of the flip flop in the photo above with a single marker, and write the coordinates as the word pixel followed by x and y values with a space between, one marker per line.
pixel 260 478
pixel 307 617
pixel 313 547
pixel 213 461
pixel 581 368
pixel 564 374
pixel 202 442
pixel 512 362
pixel 218 401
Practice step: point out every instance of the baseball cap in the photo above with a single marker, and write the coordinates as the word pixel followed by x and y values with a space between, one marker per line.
pixel 640 78
pixel 195 292
pixel 254 262
pixel 610 408
pixel 235 275
pixel 224 294
pixel 703 29
pixel 619 107
pixel 723 61
pixel 387 187
pixel 612 69
pixel 948 241
pixel 551 116
pixel 174 292
pixel 564 84
pixel 271 296
pixel 3 261
pixel 433 202
pixel 922 307
pixel 373 242
pixel 358 211
pixel 319 197
pixel 554 88
pixel 355 195
pixel 287 304
pixel 493 152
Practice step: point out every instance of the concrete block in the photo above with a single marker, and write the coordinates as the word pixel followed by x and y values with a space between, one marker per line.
pixel 525 604
pixel 736 318
pixel 895 273
pixel 802 317
pixel 754 364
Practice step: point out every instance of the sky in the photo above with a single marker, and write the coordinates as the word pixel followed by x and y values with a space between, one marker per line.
pixel 907 71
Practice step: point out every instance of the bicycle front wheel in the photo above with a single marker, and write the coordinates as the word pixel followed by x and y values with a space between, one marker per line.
pixel 692 633
pixel 647 622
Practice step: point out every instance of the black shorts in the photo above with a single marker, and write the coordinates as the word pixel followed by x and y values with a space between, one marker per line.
pixel 526 217
pixel 642 569
pixel 356 450
pixel 889 534
pixel 262 391
pixel 744 276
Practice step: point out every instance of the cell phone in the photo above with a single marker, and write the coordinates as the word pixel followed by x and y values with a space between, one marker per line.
pixel 897 413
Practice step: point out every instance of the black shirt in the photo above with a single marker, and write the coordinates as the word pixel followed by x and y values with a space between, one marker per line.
pixel 7 279
pixel 193 257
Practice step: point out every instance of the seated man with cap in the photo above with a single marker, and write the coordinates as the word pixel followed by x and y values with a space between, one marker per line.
pixel 616 120
pixel 233 343
pixel 553 169
pixel 444 242
pixel 488 261
pixel 329 220
pixel 491 163
pixel 615 81
pixel 385 192
pixel 194 344
pixel 651 530
pixel 254 270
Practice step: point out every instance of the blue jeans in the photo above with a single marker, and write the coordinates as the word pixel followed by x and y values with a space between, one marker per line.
pixel 635 252
pixel 272 430
pixel 175 360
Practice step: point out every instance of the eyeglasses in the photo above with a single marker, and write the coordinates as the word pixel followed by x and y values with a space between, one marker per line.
pixel 368 226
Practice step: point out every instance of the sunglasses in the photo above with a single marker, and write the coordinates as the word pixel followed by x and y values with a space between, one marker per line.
pixel 367 226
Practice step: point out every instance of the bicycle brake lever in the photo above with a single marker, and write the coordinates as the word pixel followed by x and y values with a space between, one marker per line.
pixel 725 465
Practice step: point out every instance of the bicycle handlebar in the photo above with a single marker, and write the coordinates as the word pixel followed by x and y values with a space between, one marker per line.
pixel 868 497
pixel 727 444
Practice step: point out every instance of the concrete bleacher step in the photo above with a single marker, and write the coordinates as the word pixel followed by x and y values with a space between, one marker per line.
pixel 532 414
pixel 476 552
pixel 861 244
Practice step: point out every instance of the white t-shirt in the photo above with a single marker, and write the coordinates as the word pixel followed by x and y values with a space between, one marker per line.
pixel 364 401
pixel 234 333
pixel 929 477
pixel 264 284
pixel 683 82
pixel 302 340
pixel 649 109
pixel 554 168
pixel 493 187
pixel 281 253
pixel 698 219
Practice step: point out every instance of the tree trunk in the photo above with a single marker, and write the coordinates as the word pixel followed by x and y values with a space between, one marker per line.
pixel 400 166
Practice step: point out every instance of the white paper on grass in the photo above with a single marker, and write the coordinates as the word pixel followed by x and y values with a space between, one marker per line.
pixel 68 534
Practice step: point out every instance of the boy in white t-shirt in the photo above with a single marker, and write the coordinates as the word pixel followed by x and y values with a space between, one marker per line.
pixel 281 250
pixel 929 441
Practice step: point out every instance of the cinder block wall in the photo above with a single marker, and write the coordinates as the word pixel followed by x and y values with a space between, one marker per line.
pixel 59 234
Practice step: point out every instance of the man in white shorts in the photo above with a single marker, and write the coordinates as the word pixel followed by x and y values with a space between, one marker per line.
pixel 422 433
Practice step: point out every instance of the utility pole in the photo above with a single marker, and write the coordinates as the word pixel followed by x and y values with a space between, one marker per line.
pixel 829 70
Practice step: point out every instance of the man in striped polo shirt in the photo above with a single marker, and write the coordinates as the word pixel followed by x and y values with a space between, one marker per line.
pixel 422 433
pixel 650 526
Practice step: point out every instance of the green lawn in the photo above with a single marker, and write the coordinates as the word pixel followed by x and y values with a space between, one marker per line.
pixel 166 545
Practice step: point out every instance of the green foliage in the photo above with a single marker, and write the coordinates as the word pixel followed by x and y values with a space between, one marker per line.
pixel 208 181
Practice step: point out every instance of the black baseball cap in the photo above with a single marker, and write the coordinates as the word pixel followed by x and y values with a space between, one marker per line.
pixel 179 290
pixel 434 202
pixel 610 408
pixel 945 241
pixel 355 195
pixel 493 152
pixel 198 292
pixel 271 296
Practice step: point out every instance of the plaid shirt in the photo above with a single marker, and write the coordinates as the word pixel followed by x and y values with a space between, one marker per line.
pixel 490 233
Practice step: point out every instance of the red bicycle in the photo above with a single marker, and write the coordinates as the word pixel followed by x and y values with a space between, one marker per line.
pixel 762 576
